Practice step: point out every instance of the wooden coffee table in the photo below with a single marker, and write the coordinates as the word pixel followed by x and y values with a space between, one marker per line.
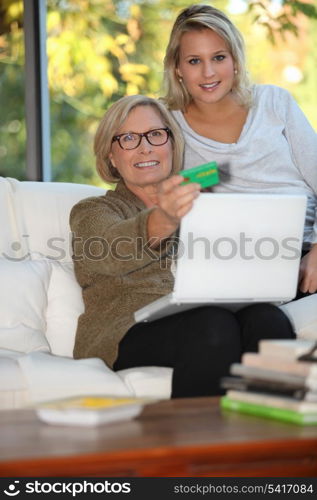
pixel 175 438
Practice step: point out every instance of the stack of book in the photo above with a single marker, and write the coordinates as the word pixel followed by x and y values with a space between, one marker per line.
pixel 280 381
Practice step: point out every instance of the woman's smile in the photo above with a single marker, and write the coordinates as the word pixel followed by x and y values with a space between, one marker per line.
pixel 209 87
pixel 147 164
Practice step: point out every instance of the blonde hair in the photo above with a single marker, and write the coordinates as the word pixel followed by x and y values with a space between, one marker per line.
pixel 112 121
pixel 197 18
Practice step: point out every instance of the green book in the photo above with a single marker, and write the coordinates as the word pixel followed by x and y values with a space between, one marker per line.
pixel 258 410
pixel 206 175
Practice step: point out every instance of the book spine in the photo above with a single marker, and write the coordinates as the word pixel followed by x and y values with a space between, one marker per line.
pixel 267 412
pixel 265 374
pixel 287 349
pixel 301 368
pixel 284 403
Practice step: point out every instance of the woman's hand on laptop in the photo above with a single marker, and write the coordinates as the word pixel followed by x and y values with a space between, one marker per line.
pixel 308 271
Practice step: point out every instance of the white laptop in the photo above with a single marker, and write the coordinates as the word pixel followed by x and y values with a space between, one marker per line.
pixel 235 249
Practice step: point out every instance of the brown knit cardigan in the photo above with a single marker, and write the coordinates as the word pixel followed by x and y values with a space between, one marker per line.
pixel 117 271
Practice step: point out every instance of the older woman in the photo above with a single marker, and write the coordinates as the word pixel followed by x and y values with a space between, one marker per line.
pixel 122 260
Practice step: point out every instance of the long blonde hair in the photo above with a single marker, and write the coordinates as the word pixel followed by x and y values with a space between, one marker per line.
pixel 112 121
pixel 197 18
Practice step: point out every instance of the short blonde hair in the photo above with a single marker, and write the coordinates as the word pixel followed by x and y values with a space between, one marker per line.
pixel 197 18
pixel 112 121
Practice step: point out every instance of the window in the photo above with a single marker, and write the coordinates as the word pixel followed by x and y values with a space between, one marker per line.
pixel 12 83
pixel 89 54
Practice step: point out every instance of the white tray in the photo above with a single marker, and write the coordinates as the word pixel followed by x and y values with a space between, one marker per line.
pixel 90 411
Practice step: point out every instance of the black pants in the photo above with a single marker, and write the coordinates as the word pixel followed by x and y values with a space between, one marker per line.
pixel 201 344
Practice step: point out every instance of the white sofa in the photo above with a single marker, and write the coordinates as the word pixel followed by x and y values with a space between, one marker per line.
pixel 40 301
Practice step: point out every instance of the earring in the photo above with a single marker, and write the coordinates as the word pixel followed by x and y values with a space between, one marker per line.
pixel 180 79
pixel 235 71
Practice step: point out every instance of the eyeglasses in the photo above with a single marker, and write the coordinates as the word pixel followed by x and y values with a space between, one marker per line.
pixel 132 140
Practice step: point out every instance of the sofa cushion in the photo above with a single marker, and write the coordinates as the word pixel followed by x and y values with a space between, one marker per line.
pixel 53 377
pixel 28 379
pixel 65 304
pixel 9 234
pixel 42 215
pixel 148 381
pixel 23 302
pixel 303 316
pixel 13 386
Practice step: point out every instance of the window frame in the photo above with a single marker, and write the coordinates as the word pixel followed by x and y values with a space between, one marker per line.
pixel 37 112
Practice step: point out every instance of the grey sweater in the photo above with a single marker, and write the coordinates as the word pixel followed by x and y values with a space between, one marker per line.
pixel 117 271
pixel 276 152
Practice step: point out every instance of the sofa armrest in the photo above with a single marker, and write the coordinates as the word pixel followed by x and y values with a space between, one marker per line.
pixel 13 385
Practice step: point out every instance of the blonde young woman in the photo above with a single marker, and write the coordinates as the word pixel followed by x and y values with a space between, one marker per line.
pixel 122 261
pixel 257 133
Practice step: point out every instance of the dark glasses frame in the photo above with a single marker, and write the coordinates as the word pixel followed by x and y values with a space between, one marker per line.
pixel 141 135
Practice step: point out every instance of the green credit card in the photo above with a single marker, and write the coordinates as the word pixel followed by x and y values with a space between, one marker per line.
pixel 206 175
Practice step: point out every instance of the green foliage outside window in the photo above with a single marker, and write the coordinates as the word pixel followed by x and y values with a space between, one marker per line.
pixel 100 50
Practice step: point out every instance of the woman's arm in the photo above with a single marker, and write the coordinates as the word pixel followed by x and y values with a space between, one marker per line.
pixel 303 143
pixel 302 139
pixel 111 237
pixel 174 201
